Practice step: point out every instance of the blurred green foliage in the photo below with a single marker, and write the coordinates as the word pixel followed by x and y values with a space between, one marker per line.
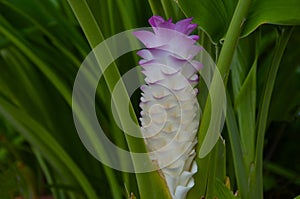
pixel 41 48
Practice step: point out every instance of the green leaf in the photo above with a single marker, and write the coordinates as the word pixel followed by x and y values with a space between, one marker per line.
pixel 257 180
pixel 237 153
pixel 282 171
pixel 245 106
pixel 217 169
pixel 214 16
pixel 9 182
pixel 213 166
pixel 243 78
pixel 219 80
pixel 156 7
pixel 200 177
pixel 7 30
pixel 43 140
pixel 222 191
pixel 278 12
pixel 89 24
pixel 287 89
pixel 171 10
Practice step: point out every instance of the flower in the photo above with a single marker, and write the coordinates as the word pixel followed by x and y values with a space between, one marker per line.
pixel 170 110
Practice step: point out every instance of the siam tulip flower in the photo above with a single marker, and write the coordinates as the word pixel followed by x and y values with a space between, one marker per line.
pixel 170 111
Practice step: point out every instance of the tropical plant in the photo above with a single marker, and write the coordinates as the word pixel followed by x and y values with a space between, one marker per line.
pixel 255 47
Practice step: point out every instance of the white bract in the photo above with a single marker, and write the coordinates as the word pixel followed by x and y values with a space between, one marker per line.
pixel 170 110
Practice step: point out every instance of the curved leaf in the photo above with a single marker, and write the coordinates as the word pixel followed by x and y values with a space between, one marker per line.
pixel 278 12
pixel 214 16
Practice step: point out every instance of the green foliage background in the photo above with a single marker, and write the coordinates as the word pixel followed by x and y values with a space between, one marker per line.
pixel 255 45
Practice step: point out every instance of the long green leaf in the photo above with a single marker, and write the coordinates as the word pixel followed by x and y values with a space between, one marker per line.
pixel 273 12
pixel 245 107
pixel 214 16
pixel 279 109
pixel 23 45
pixel 257 179
pixel 223 66
pixel 42 139
pixel 235 142
pixel 95 36
pixel 49 34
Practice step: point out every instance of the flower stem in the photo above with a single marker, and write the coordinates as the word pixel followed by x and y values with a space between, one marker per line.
pixel 223 65
pixel 224 61
pixel 231 38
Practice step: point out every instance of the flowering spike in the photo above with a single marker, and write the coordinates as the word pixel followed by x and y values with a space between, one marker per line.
pixel 169 115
